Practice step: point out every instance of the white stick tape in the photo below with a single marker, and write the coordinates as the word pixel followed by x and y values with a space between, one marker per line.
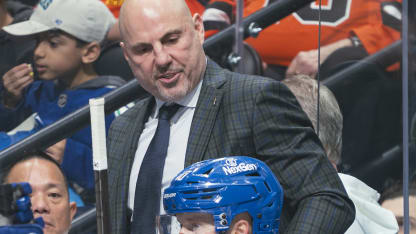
pixel 99 147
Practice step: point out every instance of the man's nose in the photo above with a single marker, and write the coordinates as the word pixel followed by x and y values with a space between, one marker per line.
pixel 40 204
pixel 162 57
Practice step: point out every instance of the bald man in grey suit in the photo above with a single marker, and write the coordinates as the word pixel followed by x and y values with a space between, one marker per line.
pixel 227 114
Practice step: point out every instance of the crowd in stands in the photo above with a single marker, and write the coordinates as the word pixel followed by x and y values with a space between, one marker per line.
pixel 57 54
pixel 68 36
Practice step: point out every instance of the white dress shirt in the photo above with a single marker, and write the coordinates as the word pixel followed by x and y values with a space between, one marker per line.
pixel 178 140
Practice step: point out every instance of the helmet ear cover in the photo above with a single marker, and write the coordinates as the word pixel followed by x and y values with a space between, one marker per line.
pixel 226 187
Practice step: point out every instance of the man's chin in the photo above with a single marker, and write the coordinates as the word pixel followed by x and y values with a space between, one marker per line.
pixel 172 96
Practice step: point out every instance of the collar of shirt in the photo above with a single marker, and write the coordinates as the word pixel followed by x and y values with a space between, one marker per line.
pixel 188 101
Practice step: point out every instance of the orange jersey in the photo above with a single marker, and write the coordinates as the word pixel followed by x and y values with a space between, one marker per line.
pixel 340 19
pixel 195 7
pixel 114 6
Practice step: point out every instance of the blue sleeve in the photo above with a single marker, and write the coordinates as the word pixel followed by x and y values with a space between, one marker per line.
pixel 21 229
pixel 8 140
pixel 11 118
pixel 77 163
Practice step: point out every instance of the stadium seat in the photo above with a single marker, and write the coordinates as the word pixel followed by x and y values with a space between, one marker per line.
pixel 252 63
pixel 112 62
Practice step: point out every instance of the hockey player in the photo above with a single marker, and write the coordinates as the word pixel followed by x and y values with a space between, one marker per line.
pixel 232 194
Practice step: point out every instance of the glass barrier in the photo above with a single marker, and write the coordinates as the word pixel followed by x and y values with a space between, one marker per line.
pixel 411 187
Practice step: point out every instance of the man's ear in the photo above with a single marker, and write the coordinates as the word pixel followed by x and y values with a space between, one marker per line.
pixel 91 52
pixel 242 226
pixel 124 48
pixel 72 209
pixel 199 27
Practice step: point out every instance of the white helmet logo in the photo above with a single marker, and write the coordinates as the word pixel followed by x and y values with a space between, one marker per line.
pixel 231 162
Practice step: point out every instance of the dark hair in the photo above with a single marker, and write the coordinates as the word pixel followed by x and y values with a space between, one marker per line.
pixel 395 189
pixel 3 4
pixel 57 32
pixel 80 43
pixel 33 155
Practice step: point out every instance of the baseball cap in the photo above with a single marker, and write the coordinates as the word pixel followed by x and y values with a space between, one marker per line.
pixel 87 20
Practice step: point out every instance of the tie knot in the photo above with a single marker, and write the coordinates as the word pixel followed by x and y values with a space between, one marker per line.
pixel 166 112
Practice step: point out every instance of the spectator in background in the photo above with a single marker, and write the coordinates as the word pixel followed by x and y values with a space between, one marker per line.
pixel 68 33
pixel 290 45
pixel 196 6
pixel 13 51
pixel 370 217
pixel 49 195
pixel 392 199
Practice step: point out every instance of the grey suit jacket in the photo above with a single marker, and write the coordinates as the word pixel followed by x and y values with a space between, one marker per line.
pixel 245 115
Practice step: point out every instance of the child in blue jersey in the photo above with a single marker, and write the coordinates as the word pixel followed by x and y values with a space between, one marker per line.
pixel 68 34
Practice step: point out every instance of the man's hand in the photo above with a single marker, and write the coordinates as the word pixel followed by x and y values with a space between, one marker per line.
pixel 15 81
pixel 306 62
pixel 57 151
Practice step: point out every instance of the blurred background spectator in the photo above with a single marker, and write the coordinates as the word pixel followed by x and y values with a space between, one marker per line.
pixel 65 80
pixel 370 217
pixel 366 25
pixel 392 199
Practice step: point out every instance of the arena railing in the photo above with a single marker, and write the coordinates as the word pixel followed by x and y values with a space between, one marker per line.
pixel 383 58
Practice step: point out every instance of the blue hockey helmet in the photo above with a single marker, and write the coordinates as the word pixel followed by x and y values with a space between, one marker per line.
pixel 226 187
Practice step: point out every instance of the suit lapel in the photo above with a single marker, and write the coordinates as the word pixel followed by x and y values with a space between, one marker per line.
pixel 208 105
pixel 133 131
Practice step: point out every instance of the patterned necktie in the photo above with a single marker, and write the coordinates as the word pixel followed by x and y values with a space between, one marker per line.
pixel 149 181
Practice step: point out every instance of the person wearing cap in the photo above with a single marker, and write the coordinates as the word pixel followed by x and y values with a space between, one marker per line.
pixel 62 78
pixel 235 194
